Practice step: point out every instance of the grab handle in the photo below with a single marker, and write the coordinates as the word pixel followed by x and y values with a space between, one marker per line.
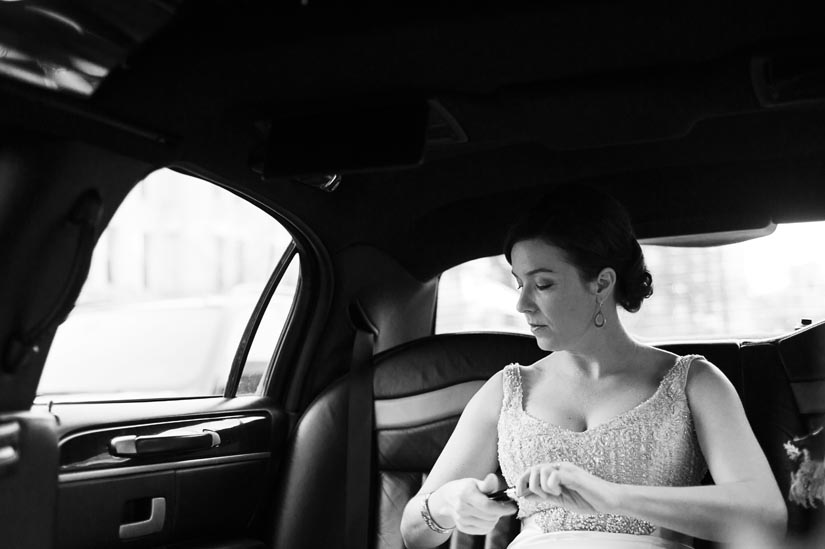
pixel 9 435
pixel 153 524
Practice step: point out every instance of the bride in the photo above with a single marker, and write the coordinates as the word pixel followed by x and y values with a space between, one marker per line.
pixel 604 442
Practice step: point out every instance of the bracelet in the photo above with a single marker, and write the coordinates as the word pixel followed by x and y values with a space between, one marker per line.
pixel 428 518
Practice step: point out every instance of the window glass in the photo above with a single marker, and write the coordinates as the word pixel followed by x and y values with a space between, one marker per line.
pixel 479 295
pixel 173 281
pixel 750 290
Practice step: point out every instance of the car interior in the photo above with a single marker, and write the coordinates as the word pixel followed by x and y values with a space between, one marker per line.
pixel 392 144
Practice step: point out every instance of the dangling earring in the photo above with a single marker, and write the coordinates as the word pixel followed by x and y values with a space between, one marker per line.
pixel 599 320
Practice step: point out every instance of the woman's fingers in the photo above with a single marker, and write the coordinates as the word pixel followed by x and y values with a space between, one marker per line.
pixel 551 481
pixel 567 485
pixel 473 512
pixel 490 484
pixel 480 520
pixel 465 503
pixel 545 481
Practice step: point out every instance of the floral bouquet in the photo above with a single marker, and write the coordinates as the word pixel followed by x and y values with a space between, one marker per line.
pixel 808 480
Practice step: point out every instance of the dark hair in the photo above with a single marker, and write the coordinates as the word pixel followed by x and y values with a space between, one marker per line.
pixel 594 231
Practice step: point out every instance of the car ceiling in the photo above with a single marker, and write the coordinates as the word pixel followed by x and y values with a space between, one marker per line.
pixel 659 104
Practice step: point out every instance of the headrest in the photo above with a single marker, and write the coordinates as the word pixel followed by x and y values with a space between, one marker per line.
pixel 422 387
pixel 440 361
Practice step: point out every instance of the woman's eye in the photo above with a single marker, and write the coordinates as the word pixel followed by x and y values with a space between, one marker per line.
pixel 543 286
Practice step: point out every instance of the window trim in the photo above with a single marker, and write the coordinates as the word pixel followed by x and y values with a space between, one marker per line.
pixel 231 386
pixel 241 354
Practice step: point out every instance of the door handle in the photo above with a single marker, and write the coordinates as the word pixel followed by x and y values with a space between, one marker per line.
pixel 9 435
pixel 153 524
pixel 8 456
pixel 131 445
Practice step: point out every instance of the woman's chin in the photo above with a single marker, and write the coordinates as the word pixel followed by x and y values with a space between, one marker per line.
pixel 545 343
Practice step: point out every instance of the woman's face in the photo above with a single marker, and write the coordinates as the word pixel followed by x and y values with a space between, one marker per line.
pixel 557 303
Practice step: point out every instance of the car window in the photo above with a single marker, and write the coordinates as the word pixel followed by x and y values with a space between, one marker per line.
pixel 749 290
pixel 478 296
pixel 173 281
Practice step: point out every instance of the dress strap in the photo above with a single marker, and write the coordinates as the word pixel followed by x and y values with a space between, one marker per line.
pixel 511 387
pixel 676 378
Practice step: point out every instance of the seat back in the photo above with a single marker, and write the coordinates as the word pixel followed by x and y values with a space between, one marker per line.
pixel 784 384
pixel 420 389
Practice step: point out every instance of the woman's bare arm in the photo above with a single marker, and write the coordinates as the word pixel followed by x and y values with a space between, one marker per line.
pixel 745 496
pixel 470 454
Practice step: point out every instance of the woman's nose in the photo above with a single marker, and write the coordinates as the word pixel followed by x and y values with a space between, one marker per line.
pixel 524 303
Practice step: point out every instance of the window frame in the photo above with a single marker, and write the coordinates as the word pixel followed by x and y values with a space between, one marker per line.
pixel 250 331
pixel 235 371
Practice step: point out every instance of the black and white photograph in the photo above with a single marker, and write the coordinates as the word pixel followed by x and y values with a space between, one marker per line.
pixel 304 274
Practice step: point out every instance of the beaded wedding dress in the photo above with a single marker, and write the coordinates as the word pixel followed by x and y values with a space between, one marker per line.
pixel 652 444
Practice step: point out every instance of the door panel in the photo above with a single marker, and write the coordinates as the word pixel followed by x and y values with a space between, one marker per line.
pixel 28 469
pixel 150 474
pixel 90 512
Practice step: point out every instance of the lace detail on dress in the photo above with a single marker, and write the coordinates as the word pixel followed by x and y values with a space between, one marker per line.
pixel 652 444
pixel 511 388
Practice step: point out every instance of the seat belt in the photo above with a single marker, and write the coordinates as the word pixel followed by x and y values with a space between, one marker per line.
pixel 360 432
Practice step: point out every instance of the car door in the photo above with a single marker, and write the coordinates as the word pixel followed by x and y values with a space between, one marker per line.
pixel 28 466
pixel 152 424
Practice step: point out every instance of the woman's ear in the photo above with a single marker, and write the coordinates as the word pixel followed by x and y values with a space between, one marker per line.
pixel 605 283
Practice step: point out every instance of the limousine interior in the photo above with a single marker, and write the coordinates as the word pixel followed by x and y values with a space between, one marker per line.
pixel 232 233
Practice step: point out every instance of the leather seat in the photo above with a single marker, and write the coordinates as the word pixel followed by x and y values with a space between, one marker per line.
pixel 784 385
pixel 420 389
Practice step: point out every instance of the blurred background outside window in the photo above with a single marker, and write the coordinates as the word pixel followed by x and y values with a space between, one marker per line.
pixel 750 290
pixel 173 281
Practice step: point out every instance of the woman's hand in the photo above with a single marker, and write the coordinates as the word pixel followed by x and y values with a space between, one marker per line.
pixel 568 486
pixel 465 504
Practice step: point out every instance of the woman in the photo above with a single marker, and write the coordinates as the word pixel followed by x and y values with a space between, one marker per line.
pixel 605 441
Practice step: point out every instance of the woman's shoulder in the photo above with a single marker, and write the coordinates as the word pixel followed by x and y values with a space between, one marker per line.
pixel 504 383
pixel 530 374
pixel 696 377
pixel 509 375
pixel 687 373
pixel 702 375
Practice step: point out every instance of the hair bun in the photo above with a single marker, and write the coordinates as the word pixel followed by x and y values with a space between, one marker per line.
pixel 636 282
